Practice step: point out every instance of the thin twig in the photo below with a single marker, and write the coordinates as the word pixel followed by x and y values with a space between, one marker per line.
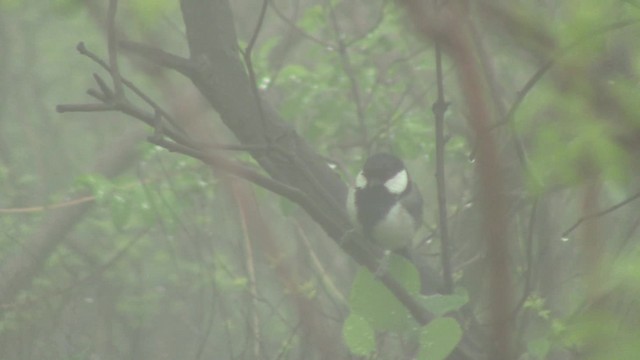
pixel 371 29
pixel 439 108
pixel 250 263
pixel 528 273
pixel 229 147
pixel 549 63
pixel 175 132
pixel 397 116
pixel 82 49
pixel 84 107
pixel 298 30
pixel 323 276
pixel 599 213
pixel 349 70
pixel 113 51
pixel 246 54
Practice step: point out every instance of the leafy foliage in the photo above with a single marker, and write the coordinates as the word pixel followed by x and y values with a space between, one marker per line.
pixel 439 338
pixel 371 300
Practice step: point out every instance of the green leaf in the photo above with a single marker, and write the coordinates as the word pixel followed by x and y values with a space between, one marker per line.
pixel 444 304
pixel 376 304
pixel 358 335
pixel 439 338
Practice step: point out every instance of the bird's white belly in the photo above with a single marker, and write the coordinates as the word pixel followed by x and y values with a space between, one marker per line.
pixel 396 230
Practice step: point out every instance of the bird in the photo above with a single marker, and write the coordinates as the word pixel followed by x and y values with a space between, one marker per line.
pixel 384 204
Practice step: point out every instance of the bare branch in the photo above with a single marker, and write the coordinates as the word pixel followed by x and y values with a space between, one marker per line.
pixel 108 94
pixel 82 49
pixel 84 108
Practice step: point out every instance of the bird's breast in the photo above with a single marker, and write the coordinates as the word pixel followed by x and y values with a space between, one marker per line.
pixel 396 230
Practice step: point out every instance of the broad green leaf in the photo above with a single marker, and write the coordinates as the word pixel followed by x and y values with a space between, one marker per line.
pixel 442 304
pixel 358 335
pixel 439 338
pixel 376 304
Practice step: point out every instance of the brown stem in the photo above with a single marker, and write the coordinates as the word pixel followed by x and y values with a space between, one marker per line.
pixel 439 108
pixel 447 26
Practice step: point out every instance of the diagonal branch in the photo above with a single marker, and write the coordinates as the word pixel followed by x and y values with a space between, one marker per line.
pixel 159 57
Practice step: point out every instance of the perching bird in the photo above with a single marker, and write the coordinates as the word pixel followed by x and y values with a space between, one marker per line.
pixel 385 205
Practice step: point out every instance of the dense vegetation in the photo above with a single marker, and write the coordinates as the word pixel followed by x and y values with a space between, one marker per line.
pixel 183 207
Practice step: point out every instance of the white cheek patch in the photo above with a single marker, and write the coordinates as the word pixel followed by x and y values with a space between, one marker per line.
pixel 361 181
pixel 398 183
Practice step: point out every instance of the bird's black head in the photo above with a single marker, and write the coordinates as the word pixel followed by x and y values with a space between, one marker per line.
pixel 384 169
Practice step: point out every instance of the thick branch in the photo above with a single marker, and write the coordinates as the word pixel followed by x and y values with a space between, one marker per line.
pixel 222 79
